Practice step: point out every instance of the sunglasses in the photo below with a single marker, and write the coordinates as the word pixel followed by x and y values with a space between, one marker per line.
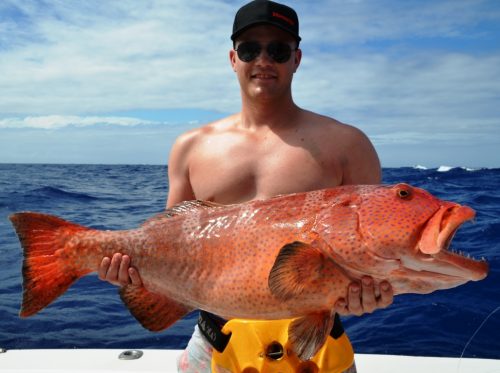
pixel 249 50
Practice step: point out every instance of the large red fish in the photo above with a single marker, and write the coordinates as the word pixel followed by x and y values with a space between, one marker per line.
pixel 291 256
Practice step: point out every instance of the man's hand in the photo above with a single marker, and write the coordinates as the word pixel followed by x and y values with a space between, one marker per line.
pixel 117 271
pixel 365 298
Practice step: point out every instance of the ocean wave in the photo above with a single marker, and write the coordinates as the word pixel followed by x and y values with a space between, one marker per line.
pixel 54 192
pixel 121 197
pixel 445 168
pixel 449 168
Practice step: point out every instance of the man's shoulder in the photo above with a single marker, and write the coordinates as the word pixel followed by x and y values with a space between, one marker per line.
pixel 331 126
pixel 196 135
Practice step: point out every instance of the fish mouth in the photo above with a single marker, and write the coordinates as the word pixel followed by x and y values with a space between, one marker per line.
pixel 434 245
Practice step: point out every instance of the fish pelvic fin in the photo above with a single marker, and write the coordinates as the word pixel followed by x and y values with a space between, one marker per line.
pixel 306 335
pixel 296 266
pixel 154 311
pixel 47 272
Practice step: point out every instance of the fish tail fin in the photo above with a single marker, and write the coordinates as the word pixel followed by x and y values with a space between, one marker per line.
pixel 47 271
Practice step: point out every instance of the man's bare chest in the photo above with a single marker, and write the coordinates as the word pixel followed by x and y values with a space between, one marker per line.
pixel 235 174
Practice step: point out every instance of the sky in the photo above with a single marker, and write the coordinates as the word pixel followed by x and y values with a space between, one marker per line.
pixel 115 82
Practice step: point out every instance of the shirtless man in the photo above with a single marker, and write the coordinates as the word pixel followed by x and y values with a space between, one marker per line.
pixel 271 147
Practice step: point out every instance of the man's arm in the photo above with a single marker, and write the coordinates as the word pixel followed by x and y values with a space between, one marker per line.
pixel 362 166
pixel 179 187
pixel 117 269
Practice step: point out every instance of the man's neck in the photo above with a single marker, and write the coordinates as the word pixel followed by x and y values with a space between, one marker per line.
pixel 273 114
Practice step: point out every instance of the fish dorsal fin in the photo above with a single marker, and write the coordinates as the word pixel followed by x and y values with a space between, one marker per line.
pixel 188 206
pixel 183 208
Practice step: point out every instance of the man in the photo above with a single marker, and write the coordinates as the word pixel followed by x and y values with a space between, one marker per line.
pixel 271 147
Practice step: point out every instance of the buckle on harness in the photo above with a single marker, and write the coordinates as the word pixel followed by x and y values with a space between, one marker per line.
pixel 261 346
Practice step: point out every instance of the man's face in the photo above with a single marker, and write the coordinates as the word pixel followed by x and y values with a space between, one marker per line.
pixel 263 76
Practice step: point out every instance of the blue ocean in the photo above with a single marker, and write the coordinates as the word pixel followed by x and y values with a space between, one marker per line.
pixel 464 321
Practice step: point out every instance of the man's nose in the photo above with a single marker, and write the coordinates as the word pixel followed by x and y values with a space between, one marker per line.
pixel 264 57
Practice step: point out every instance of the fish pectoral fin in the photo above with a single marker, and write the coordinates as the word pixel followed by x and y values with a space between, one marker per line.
pixel 306 335
pixel 154 311
pixel 295 267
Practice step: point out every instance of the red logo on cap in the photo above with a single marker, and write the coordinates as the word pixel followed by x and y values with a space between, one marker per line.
pixel 284 18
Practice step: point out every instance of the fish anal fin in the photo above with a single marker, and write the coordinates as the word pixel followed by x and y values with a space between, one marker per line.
pixel 306 335
pixel 296 266
pixel 154 311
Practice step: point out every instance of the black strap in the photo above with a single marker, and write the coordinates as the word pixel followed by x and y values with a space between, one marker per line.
pixel 212 330
pixel 337 329
pixel 211 327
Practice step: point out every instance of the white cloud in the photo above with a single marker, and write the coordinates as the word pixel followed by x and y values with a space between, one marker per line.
pixel 430 137
pixel 344 22
pixel 449 87
pixel 95 56
pixel 62 121
pixel 399 70
pixel 117 56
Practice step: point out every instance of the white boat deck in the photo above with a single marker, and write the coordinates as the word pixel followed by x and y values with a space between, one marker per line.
pixel 107 361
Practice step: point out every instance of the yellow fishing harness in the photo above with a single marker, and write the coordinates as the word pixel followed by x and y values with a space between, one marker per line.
pixel 253 346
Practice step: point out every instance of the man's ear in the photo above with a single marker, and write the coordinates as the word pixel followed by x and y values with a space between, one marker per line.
pixel 298 58
pixel 232 58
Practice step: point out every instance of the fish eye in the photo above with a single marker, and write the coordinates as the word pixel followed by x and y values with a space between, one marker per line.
pixel 404 193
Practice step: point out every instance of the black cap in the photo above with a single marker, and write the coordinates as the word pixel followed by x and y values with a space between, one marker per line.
pixel 266 12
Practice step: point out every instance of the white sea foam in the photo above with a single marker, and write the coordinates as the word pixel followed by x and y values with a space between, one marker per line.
pixel 445 168
pixel 420 167
pixel 448 168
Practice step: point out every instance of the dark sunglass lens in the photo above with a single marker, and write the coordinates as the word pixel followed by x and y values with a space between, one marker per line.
pixel 248 51
pixel 280 52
